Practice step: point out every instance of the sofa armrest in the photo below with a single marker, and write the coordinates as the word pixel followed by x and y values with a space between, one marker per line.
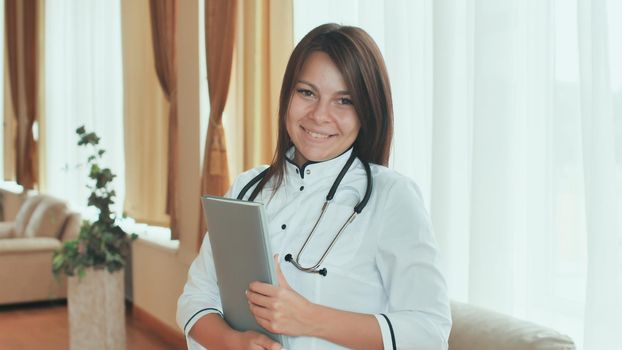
pixel 28 245
pixel 475 328
pixel 26 271
pixel 72 227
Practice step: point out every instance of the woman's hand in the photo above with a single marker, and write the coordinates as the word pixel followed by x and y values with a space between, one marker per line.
pixel 250 340
pixel 212 332
pixel 280 309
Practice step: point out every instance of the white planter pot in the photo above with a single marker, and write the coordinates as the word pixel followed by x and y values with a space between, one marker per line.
pixel 96 306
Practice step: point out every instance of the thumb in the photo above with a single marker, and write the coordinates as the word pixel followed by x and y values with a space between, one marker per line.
pixel 279 274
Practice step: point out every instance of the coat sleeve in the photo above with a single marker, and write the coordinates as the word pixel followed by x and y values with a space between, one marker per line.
pixel 201 295
pixel 418 315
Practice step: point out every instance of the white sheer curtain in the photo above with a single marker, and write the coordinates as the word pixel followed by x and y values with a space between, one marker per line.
pixel 83 77
pixel 508 114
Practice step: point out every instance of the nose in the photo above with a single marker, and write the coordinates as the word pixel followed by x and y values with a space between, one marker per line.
pixel 320 112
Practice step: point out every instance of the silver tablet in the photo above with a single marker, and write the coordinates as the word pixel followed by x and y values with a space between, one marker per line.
pixel 241 249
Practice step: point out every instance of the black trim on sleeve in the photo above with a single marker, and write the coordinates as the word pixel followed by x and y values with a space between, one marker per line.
pixel 391 329
pixel 198 312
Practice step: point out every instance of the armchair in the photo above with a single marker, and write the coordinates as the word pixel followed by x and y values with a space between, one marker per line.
pixel 27 243
pixel 475 328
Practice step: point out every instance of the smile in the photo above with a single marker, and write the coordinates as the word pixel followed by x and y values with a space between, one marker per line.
pixel 316 135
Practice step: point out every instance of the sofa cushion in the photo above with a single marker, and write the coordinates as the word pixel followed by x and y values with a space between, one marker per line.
pixel 475 328
pixel 25 212
pixel 47 219
pixel 7 229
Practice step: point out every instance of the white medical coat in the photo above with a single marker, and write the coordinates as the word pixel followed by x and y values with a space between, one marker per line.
pixel 385 263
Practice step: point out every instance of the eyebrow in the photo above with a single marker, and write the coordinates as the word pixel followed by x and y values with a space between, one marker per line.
pixel 340 92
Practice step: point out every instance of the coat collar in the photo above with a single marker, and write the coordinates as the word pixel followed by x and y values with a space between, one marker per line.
pixel 310 171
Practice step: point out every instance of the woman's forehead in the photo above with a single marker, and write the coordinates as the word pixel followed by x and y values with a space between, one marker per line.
pixel 320 72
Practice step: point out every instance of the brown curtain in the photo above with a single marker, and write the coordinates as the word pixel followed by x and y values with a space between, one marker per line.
pixel 264 41
pixel 163 15
pixel 21 18
pixel 267 42
pixel 220 17
pixel 145 121
pixel 10 124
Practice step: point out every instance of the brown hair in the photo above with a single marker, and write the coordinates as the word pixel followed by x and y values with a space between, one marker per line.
pixel 359 60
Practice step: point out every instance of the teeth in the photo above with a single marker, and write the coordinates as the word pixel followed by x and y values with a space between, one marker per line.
pixel 316 135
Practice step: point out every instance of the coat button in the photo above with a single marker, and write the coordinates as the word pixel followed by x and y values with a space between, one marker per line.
pixel 308 171
pixel 302 188
pixel 283 226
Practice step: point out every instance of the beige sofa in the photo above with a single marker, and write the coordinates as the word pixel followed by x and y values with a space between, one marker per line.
pixel 475 328
pixel 33 227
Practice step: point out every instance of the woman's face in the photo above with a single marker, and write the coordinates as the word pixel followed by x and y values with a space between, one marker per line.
pixel 321 120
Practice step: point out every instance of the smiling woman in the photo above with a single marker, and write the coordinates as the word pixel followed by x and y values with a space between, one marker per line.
pixel 366 273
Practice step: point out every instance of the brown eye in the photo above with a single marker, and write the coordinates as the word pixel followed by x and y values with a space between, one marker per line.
pixel 345 101
pixel 305 92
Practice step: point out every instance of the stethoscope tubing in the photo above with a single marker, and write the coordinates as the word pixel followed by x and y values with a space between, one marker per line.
pixel 329 197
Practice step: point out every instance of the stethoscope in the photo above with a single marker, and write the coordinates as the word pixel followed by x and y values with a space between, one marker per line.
pixel 329 197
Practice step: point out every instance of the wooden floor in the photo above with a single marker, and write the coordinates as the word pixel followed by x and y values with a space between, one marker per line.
pixel 45 326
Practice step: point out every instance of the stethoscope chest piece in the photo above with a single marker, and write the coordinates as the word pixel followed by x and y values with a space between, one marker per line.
pixel 289 258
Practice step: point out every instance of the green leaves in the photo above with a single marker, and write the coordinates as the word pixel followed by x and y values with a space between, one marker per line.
pixel 100 244
pixel 89 138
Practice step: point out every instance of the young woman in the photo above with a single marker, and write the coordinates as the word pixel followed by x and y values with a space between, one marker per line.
pixel 378 284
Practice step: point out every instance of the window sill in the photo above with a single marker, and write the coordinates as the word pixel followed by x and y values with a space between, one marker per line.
pixel 159 236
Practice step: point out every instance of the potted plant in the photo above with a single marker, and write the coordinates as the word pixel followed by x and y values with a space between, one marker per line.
pixel 94 264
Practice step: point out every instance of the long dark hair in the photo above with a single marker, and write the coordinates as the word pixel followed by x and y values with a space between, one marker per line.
pixel 359 60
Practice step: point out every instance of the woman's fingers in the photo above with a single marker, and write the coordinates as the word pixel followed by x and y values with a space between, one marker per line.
pixel 265 324
pixel 259 311
pixel 262 288
pixel 265 342
pixel 258 299
pixel 257 341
